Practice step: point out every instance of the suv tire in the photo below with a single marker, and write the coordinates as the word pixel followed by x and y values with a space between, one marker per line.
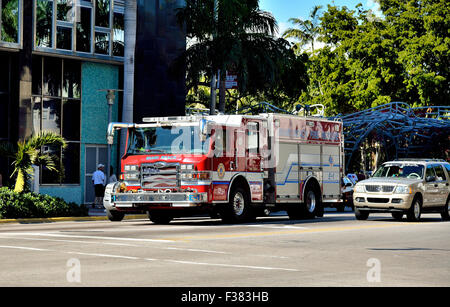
pixel 446 213
pixel 361 215
pixel 415 211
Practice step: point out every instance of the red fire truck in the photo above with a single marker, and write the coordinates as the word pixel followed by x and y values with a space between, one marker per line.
pixel 232 166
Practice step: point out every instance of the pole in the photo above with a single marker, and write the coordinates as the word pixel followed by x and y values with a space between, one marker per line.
pixel 110 97
pixel 212 103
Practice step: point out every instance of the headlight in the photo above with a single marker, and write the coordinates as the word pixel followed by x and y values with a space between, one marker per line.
pixel 131 176
pixel 359 188
pixel 187 166
pixel 131 168
pixel 195 176
pixel 403 189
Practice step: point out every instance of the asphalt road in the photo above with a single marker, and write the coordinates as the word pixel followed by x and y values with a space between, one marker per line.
pixel 335 250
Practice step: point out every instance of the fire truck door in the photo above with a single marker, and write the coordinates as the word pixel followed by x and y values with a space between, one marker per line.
pixel 253 154
pixel 239 151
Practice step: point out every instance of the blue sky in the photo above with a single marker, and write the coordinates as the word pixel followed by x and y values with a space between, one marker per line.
pixel 285 9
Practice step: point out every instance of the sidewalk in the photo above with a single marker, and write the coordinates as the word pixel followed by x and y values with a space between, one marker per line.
pixel 96 211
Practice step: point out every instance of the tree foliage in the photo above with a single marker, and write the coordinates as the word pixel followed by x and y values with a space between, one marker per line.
pixel 237 36
pixel 28 153
pixel 369 60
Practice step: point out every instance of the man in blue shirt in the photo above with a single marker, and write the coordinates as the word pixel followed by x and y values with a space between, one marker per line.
pixel 99 181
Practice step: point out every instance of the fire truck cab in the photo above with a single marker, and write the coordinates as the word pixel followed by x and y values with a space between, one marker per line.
pixel 233 166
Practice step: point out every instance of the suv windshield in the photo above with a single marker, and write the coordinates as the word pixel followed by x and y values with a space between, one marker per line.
pixel 413 171
pixel 166 140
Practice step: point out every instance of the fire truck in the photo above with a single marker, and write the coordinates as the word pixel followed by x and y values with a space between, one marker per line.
pixel 230 166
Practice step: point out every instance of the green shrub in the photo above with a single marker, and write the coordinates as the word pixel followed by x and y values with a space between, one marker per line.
pixel 31 205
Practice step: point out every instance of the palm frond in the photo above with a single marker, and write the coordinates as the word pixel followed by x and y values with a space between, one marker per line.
pixel 46 138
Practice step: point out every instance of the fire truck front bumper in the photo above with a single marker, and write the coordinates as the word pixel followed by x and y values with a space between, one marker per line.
pixel 146 199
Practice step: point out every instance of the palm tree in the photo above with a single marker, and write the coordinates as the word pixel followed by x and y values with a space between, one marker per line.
pixel 227 34
pixel 28 153
pixel 306 31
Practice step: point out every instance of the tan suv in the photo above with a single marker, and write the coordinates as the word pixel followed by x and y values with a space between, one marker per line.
pixel 405 186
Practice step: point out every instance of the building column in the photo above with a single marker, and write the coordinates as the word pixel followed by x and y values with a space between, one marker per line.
pixel 25 116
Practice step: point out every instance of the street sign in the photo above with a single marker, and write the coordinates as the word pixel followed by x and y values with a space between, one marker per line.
pixel 231 81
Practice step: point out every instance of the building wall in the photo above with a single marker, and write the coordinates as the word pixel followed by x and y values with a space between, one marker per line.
pixel 94 122
pixel 159 41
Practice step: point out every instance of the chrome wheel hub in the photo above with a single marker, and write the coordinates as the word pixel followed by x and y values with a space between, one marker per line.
pixel 310 201
pixel 238 204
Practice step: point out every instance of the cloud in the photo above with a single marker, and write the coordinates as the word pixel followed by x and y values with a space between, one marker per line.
pixel 375 7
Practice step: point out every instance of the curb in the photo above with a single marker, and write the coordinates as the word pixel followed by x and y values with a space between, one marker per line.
pixel 67 219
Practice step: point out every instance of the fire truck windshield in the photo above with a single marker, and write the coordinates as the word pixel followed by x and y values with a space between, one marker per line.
pixel 166 140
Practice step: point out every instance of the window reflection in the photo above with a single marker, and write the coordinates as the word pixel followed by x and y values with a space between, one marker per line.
pixel 10 21
pixel 84 30
pixel 37 114
pixel 72 79
pixel 57 109
pixel 52 77
pixel 119 33
pixel 51 115
pixel 65 10
pixel 72 119
pixel 102 13
pixel 64 38
pixel 71 163
pixel 88 26
pixel 44 16
pixel 101 43
pixel 4 102
pixel 48 176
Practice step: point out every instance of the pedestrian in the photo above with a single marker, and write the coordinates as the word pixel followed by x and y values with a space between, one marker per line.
pixel 99 181
pixel 112 177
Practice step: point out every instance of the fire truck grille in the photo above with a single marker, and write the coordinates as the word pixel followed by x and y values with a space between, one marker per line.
pixel 160 175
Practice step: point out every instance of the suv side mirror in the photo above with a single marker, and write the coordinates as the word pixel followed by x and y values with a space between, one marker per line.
pixel 430 179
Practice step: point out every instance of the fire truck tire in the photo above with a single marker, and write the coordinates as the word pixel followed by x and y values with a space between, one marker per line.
pixel 313 206
pixel 239 209
pixel 159 218
pixel 115 216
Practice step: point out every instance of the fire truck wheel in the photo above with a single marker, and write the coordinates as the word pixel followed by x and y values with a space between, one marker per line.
pixel 238 209
pixel 313 205
pixel 160 218
pixel 114 216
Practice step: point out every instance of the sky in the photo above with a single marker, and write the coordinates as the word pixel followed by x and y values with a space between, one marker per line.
pixel 285 9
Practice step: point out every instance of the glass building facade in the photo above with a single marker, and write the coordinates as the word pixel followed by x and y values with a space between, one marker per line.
pixel 56 57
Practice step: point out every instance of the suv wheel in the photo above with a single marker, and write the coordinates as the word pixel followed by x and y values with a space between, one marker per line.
pixel 415 211
pixel 397 216
pixel 446 213
pixel 361 215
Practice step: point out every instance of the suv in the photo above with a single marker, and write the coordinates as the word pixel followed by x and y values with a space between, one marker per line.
pixel 405 186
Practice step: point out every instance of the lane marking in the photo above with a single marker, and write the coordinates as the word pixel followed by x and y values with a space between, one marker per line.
pixel 151 259
pixel 70 241
pixel 287 232
pixel 197 250
pixel 58 235
pixel 25 248
pixel 104 255
pixel 276 226
pixel 232 265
